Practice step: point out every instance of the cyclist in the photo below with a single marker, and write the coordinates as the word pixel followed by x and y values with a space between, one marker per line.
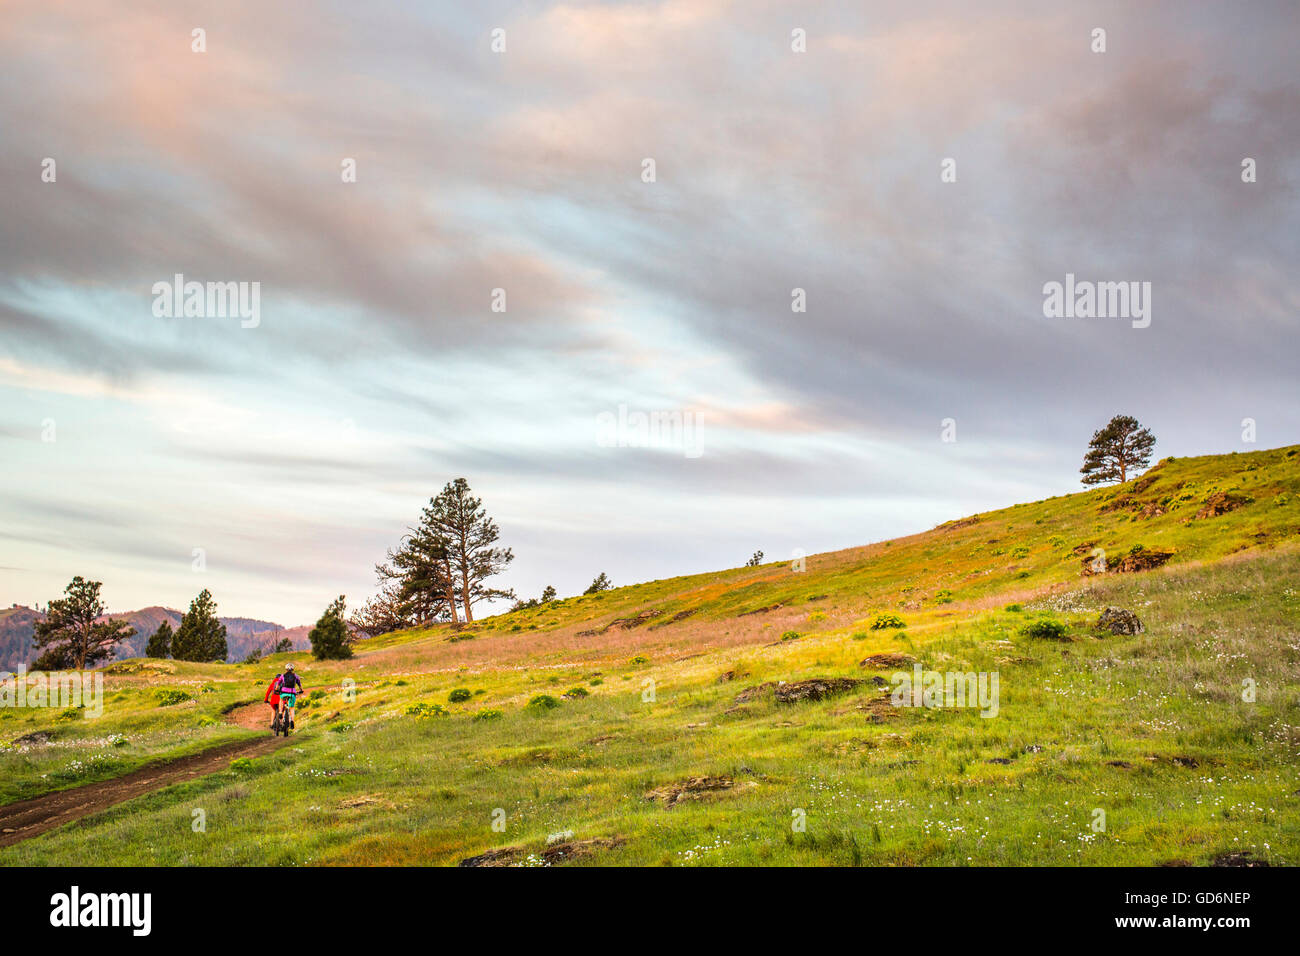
pixel 290 686
pixel 272 697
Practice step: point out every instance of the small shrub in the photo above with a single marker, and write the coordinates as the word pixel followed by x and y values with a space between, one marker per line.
pixel 543 702
pixel 206 721
pixel 168 696
pixel 816 617
pixel 1047 629
pixel 861 636
pixel 488 713
pixel 883 621
pixel 575 692
pixel 459 695
pixel 72 713
pixel 1020 553
pixel 342 727
pixel 424 709
pixel 640 659
pixel 1014 608
pixel 241 764
pixel 790 636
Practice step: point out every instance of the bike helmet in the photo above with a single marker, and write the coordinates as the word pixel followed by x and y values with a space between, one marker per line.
pixel 288 667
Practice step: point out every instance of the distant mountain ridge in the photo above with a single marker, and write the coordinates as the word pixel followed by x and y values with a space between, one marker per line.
pixel 243 634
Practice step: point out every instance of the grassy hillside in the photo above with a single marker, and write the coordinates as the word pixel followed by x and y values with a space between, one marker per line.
pixel 662 736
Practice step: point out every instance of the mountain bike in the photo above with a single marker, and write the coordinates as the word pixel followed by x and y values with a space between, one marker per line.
pixel 281 723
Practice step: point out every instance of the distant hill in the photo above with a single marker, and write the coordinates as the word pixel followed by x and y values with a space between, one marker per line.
pixel 17 624
pixel 243 634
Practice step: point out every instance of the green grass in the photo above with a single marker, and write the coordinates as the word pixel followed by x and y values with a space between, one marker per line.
pixel 1152 729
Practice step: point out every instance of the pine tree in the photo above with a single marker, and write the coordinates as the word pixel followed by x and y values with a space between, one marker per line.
pixel 440 570
pixel 201 637
pixel 330 640
pixel 160 645
pixel 72 634
pixel 601 583
pixel 419 575
pixel 1121 447
pixel 382 613
pixel 548 594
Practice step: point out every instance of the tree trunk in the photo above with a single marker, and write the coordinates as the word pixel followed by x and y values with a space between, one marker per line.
pixel 464 578
pixel 81 648
pixel 451 591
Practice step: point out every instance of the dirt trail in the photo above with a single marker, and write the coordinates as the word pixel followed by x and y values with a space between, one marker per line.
pixel 27 818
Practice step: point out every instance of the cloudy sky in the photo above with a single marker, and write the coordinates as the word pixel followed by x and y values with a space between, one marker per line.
pixel 294 452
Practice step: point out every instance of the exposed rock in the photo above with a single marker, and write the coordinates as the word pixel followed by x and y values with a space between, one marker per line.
pixel 563 852
pixel 1119 620
pixel 760 610
pixel 553 853
pixel 627 623
pixel 885 661
pixel 1221 502
pixel 1092 564
pixel 1238 858
pixel 624 623
pixel 1001 760
pixel 819 688
pixel 877 709
pixel 692 789
pixel 504 856
pixel 1145 482
pixel 36 738
pixel 753 693
pixel 1142 559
